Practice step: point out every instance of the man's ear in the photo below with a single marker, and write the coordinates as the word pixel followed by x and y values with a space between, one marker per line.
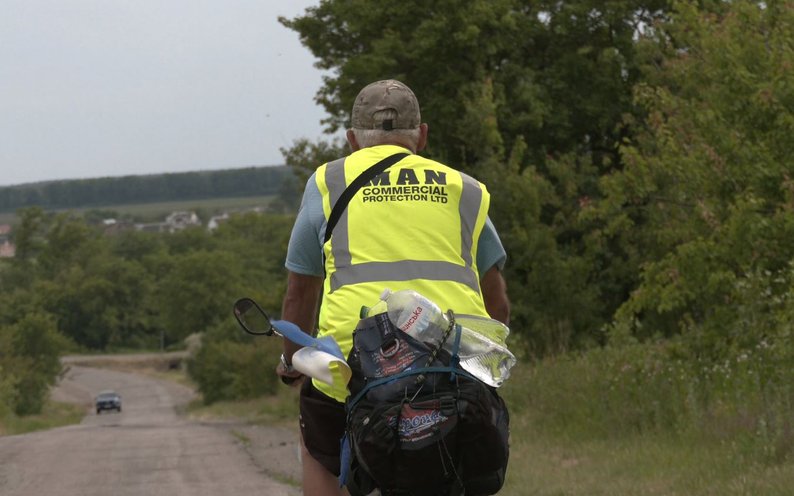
pixel 351 140
pixel 420 145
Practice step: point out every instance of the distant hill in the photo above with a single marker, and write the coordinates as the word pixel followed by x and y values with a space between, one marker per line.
pixel 108 191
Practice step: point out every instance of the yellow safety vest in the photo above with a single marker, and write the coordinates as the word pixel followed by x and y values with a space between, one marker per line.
pixel 416 226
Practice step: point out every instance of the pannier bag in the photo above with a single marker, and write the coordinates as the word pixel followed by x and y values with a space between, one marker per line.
pixel 417 423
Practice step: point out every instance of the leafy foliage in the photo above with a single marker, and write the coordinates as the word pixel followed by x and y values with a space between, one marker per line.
pixel 29 352
pixel 639 159
pixel 77 289
pixel 704 202
pixel 710 171
pixel 231 366
pixel 528 97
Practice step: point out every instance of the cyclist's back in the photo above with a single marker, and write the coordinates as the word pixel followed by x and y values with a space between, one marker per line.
pixel 420 225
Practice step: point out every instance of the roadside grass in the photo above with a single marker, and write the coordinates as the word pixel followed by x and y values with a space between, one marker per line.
pixel 552 462
pixel 54 414
pixel 571 457
pixel 646 464
pixel 626 421
pixel 129 362
pixel 177 376
pixel 574 431
pixel 241 438
pixel 280 409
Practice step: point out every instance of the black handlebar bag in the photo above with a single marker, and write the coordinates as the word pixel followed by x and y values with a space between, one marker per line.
pixel 417 423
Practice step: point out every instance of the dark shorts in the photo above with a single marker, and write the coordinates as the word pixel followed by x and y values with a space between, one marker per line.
pixel 322 421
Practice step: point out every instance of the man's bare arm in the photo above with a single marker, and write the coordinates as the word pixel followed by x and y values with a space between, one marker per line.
pixel 300 305
pixel 494 293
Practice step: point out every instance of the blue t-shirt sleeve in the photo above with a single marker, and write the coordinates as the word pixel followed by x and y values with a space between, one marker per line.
pixel 305 250
pixel 490 251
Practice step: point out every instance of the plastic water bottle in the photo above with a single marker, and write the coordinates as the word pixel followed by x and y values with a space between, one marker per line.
pixel 483 358
pixel 413 314
pixel 482 349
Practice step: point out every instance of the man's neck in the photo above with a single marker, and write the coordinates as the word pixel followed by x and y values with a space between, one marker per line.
pixel 395 143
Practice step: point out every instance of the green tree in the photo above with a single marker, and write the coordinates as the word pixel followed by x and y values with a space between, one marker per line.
pixel 229 364
pixel 29 353
pixel 28 233
pixel 69 241
pixel 557 74
pixel 83 304
pixel 194 238
pixel 8 395
pixel 136 245
pixel 198 292
pixel 530 98
pixel 304 156
pixel 706 192
pixel 260 242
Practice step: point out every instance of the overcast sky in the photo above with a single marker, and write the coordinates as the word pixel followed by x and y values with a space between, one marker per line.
pixel 94 88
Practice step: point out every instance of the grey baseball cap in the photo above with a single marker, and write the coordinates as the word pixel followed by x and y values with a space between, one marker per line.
pixel 383 95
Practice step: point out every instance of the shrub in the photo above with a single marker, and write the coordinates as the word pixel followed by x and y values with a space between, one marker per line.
pixel 29 351
pixel 8 396
pixel 227 369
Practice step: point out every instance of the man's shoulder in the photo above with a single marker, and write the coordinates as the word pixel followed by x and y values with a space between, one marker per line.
pixel 337 162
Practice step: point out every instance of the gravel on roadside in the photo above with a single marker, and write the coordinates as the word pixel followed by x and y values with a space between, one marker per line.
pixel 276 450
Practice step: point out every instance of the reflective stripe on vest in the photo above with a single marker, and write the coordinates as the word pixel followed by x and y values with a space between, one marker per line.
pixel 346 273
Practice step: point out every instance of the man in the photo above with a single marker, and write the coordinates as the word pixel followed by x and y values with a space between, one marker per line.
pixel 420 225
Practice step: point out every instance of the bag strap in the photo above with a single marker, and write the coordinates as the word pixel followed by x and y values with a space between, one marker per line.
pixel 350 403
pixel 352 189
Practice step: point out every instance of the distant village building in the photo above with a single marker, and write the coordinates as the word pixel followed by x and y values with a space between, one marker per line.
pixel 216 220
pixel 181 220
pixel 152 227
pixel 114 226
pixel 176 221
pixel 7 248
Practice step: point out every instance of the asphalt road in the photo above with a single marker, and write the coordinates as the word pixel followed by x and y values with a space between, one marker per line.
pixel 145 450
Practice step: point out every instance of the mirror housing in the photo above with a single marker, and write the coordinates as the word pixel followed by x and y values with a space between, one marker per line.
pixel 252 318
